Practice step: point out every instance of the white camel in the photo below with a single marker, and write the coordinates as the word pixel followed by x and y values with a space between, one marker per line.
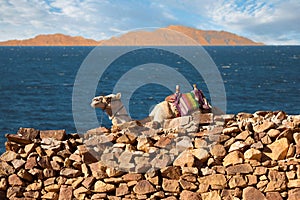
pixel 116 111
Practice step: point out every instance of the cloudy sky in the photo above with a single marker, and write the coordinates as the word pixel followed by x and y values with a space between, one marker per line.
pixel 268 21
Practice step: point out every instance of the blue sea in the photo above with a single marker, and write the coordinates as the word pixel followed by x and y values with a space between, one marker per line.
pixel 36 83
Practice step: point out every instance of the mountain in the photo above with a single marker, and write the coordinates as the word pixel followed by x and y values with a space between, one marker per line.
pixel 171 35
pixel 52 40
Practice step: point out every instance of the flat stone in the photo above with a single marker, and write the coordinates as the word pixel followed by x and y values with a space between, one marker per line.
pixel 243 135
pixel 294 183
pixel 31 163
pixel 185 159
pixel 266 125
pixel 253 154
pixel 170 185
pixel 88 182
pixel 18 163
pixel 122 190
pixel 233 158
pixel 277 181
pixel 132 177
pixel 28 133
pixel 18 139
pixel 278 149
pixel 251 193
pixel 171 172
pixel 50 195
pixel 55 134
pixel 213 180
pixel 230 130
pixel 273 196
pixel 189 195
pixel 32 195
pixel 70 173
pixel 15 180
pixel 273 133
pixel 8 156
pixel 98 170
pixel 186 185
pixel 239 169
pixel 163 142
pixel 143 187
pixel 217 150
pixel 238 145
pixel 65 193
pixel 100 186
pixel 211 195
pixel 201 154
pixel 237 181
pixel 294 194
pixel 203 118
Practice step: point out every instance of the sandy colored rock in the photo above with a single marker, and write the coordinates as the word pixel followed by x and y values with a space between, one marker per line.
pixel 217 150
pixel 233 158
pixel 214 179
pixel 171 172
pixel 100 186
pixel 237 181
pixel 70 173
pixel 211 195
pixel 3 184
pixel 55 134
pixel 65 193
pixel 273 196
pixel 188 195
pixel 122 190
pixel 240 168
pixel 8 156
pixel 250 193
pixel 273 133
pixel 278 149
pixel 230 130
pixel 201 154
pixel 253 154
pixel 15 180
pixel 277 181
pixel 143 187
pixel 185 158
pixel 294 194
pixel 266 125
pixel 170 185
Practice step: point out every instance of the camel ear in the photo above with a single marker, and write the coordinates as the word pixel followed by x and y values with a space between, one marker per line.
pixel 118 96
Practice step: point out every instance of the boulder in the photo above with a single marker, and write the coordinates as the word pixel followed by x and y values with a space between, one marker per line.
pixel 277 150
pixel 251 193
pixel 143 187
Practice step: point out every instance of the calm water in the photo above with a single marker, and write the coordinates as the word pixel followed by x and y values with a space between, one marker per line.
pixel 36 83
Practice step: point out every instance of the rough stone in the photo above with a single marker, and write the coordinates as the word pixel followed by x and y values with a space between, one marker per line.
pixel 217 150
pixel 253 154
pixel 100 186
pixel 185 159
pixel 213 180
pixel 201 154
pixel 188 195
pixel 70 173
pixel 239 169
pixel 233 158
pixel 170 185
pixel 211 195
pixel 143 187
pixel 251 193
pixel 278 149
pixel 55 134
pixel 266 125
pixel 294 194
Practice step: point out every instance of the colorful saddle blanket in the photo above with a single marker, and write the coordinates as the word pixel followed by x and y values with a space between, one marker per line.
pixel 184 103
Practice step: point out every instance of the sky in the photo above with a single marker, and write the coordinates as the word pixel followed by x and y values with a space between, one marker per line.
pixel 273 22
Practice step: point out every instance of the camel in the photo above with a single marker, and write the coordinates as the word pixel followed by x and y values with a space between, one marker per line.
pixel 114 108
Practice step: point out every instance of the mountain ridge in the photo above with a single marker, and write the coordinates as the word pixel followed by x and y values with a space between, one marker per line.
pixel 203 37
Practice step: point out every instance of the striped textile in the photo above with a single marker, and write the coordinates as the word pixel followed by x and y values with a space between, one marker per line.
pixel 187 104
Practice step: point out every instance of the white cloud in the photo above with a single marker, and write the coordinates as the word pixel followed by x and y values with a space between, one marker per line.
pixel 272 22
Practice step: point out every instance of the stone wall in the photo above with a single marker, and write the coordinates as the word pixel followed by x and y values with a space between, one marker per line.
pixel 243 156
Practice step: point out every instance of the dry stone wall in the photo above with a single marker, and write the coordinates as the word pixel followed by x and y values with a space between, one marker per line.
pixel 243 156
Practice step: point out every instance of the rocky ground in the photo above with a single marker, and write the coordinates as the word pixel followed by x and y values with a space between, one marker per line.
pixel 243 156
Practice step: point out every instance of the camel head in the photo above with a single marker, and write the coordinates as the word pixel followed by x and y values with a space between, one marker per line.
pixel 104 102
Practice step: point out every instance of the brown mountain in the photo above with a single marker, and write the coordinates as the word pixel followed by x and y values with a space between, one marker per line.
pixel 52 40
pixel 172 35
